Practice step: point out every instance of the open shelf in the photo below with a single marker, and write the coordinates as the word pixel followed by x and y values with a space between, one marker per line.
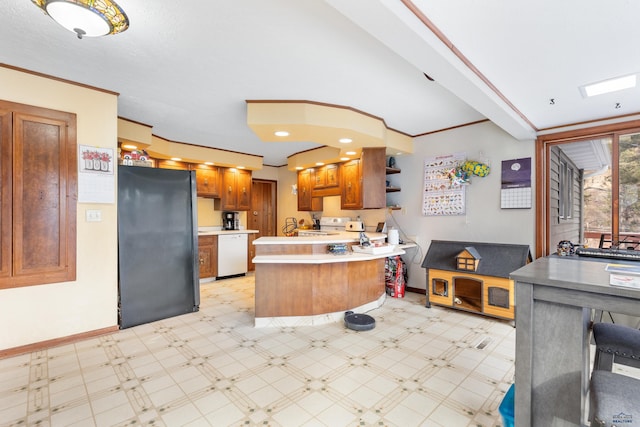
pixel 391 171
pixel 392 189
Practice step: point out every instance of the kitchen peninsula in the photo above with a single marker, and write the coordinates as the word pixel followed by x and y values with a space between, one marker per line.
pixel 299 283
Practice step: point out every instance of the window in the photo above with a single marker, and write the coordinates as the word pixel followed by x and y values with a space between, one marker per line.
pixel 597 204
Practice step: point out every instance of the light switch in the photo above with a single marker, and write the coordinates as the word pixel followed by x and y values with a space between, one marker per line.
pixel 93 215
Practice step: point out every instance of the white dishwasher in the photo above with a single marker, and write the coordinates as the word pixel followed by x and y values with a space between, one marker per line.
pixel 232 254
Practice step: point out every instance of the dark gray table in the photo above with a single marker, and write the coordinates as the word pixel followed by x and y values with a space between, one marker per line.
pixel 554 301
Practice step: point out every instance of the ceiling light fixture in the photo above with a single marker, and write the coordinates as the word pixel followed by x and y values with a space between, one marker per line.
pixel 608 86
pixel 344 159
pixel 209 163
pixel 91 18
pixel 319 164
pixel 345 140
pixel 176 159
pixel 350 153
pixel 281 133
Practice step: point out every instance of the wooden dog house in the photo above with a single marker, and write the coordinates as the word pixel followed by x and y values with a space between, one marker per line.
pixel 474 276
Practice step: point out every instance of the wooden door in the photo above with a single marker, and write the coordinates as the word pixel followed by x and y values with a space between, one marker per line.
pixel 262 216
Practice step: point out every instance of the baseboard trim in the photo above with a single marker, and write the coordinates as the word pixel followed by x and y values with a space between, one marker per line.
pixel 416 290
pixel 42 345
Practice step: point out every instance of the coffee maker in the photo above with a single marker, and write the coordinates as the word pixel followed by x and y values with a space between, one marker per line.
pixel 230 220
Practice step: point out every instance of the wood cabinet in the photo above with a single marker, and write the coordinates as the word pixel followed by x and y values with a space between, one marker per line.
pixel 306 201
pixel 38 194
pixel 207 181
pixel 235 192
pixel 326 176
pixel 172 164
pixel 363 181
pixel 208 256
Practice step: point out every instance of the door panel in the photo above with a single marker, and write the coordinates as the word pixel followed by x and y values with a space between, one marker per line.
pixel 262 215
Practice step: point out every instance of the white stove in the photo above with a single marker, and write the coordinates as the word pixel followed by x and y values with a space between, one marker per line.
pixel 329 225
pixel 334 223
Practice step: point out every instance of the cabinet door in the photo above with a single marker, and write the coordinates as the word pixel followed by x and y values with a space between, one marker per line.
pixel 228 193
pixel 205 255
pixel 42 198
pixel 6 186
pixel 351 186
pixel 326 176
pixel 304 190
pixel 207 181
pixel 243 188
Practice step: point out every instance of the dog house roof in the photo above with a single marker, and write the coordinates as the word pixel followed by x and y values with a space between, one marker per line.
pixel 498 259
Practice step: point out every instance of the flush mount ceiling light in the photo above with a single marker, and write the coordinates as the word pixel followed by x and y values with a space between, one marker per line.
pixel 608 86
pixel 281 133
pixel 91 18
pixel 345 140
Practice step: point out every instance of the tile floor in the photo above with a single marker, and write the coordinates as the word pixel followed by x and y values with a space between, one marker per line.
pixel 418 367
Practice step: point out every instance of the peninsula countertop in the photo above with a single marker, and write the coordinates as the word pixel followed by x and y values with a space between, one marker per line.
pixel 334 237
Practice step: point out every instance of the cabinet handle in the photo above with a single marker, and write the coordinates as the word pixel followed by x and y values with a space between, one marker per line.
pixel 244 190
pixel 201 261
pixel 229 190
pixel 349 184
pixel 206 181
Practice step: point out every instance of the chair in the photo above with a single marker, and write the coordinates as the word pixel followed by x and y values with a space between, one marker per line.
pixel 615 398
pixel 616 343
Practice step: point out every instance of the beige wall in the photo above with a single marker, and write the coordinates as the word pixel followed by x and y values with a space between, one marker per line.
pixel 38 313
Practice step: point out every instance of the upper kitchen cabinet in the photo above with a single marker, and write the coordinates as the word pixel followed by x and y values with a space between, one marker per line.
pixel 363 181
pixel 306 201
pixel 38 193
pixel 326 176
pixel 235 194
pixel 173 164
pixel 208 181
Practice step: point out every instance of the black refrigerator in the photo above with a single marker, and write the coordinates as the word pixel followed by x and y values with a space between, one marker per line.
pixel 157 244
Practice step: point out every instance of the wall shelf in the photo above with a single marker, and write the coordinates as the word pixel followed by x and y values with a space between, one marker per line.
pixel 391 171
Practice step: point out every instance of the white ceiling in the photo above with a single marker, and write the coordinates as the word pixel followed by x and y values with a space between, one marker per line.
pixel 187 68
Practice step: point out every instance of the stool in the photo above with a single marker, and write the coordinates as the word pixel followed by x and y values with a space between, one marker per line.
pixel 616 343
pixel 615 400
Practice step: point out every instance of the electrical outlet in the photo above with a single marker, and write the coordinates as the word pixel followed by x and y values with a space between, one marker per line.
pixel 93 215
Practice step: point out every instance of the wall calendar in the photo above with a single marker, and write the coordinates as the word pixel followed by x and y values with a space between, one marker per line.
pixel 443 195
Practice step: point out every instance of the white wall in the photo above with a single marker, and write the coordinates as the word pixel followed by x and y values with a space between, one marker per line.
pixel 484 221
pixel 39 313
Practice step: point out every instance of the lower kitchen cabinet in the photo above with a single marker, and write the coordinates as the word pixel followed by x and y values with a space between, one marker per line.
pixel 208 256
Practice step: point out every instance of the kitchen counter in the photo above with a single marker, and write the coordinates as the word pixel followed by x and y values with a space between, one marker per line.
pixel 298 283
pixel 205 231
pixel 334 237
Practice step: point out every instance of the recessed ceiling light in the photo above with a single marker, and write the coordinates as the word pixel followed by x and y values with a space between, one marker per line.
pixel 319 164
pixel 608 86
pixel 209 163
pixel 240 167
pixel 281 133
pixel 344 159
pixel 345 140
pixel 350 153
pixel 176 159
pixel 299 168
pixel 129 147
